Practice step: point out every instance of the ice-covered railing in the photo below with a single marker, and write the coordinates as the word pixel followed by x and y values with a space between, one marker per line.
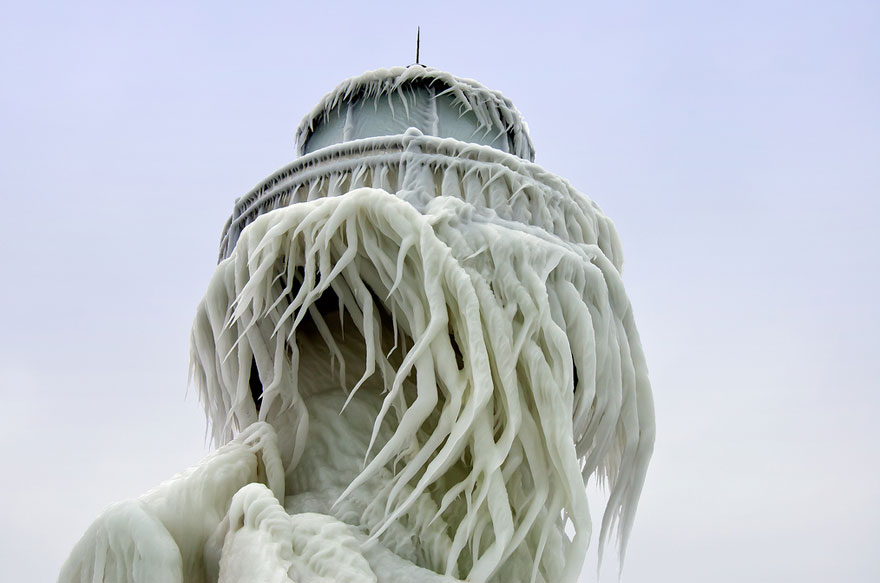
pixel 427 166
pixel 389 101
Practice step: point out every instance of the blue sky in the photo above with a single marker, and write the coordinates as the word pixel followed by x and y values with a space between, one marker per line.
pixel 736 146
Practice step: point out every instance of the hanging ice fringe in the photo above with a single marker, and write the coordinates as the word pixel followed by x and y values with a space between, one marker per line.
pixel 523 374
pixel 493 113
pixel 414 353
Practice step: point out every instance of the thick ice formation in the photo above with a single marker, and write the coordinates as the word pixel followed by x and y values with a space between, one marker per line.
pixel 422 348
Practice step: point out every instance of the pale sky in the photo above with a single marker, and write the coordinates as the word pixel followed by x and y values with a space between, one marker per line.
pixel 735 145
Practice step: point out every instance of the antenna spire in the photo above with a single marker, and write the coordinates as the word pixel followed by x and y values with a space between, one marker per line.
pixel 418 35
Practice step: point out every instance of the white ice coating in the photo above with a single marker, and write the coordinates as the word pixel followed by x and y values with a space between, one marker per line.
pixel 414 353
pixel 388 101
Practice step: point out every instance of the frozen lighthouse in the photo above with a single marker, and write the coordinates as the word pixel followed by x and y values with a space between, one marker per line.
pixel 415 351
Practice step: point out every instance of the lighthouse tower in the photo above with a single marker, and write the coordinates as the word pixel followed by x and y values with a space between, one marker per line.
pixel 415 351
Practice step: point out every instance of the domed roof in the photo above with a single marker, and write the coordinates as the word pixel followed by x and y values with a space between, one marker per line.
pixel 389 101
